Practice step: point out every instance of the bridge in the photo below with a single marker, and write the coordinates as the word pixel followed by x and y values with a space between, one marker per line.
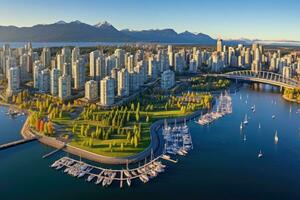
pixel 261 77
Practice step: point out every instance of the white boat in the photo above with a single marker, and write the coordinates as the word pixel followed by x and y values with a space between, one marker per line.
pixel 90 177
pixel 273 116
pixel 246 120
pixel 104 181
pixel 133 173
pixel 260 155
pixel 128 182
pixel 241 125
pixel 259 126
pixel 245 138
pixel 166 156
pixel 127 173
pixel 276 138
pixel 100 178
pixel 66 170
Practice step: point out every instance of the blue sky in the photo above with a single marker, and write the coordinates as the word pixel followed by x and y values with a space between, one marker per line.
pixel 262 19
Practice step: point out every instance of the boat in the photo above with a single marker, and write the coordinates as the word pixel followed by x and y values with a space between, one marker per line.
pixel 100 178
pixel 133 173
pixel 273 116
pixel 259 126
pixel 276 138
pixel 66 170
pixel 128 182
pixel 166 156
pixel 246 120
pixel 104 181
pixel 244 138
pixel 241 125
pixel 127 173
pixel 90 177
pixel 290 109
pixel 260 155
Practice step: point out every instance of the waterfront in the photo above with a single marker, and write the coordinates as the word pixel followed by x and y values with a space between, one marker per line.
pixel 221 166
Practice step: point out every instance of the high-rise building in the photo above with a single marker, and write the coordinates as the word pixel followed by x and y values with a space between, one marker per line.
pixel 66 52
pixel 167 79
pixel 100 68
pixel 170 55
pixel 46 57
pixel 107 91
pixel 219 45
pixel 152 68
pixel 75 54
pixel 64 87
pixel 55 74
pixel 79 74
pixel 37 68
pixel 120 58
pixel 44 85
pixel 91 90
pixel 123 83
pixel 13 78
pixel 179 63
pixel 130 63
pixel 60 61
pixel 93 57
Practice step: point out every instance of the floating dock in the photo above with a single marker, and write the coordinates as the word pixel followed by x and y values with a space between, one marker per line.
pixel 16 143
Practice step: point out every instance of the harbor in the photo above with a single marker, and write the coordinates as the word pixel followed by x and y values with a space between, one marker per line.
pixel 178 141
pixel 223 108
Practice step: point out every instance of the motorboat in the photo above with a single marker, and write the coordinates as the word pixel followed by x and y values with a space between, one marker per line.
pixel 260 155
pixel 276 139
pixel 128 182
pixel 246 120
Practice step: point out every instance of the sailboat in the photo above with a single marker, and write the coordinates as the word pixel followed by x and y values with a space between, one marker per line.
pixel 241 126
pixel 276 138
pixel 246 119
pixel 260 155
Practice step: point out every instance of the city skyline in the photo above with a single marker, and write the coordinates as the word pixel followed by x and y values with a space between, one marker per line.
pixel 229 20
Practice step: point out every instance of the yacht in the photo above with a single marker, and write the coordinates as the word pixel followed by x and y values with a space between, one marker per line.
pixel 276 137
pixel 90 177
pixel 246 119
pixel 100 178
pixel 128 182
pixel 127 173
pixel 260 155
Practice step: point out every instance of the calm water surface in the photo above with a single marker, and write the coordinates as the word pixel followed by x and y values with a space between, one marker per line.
pixel 221 166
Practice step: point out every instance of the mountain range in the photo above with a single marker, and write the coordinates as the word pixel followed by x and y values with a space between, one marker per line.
pixel 77 31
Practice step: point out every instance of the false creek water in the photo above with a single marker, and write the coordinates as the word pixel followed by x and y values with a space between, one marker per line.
pixel 221 166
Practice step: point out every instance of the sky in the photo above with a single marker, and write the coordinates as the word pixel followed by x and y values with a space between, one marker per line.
pixel 227 19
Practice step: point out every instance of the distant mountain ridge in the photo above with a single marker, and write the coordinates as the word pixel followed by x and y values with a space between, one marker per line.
pixel 77 31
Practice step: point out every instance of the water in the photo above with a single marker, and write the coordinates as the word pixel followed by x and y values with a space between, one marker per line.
pixel 221 166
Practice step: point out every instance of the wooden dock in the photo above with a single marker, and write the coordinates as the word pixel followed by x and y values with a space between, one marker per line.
pixel 16 143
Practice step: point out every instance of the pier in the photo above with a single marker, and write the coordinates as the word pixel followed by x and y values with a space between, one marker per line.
pixel 53 152
pixel 16 143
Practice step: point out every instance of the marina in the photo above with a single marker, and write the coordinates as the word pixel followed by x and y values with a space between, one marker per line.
pixel 178 141
pixel 106 177
pixel 223 108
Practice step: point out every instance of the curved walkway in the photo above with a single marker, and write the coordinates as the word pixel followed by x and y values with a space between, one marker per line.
pixel 156 144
